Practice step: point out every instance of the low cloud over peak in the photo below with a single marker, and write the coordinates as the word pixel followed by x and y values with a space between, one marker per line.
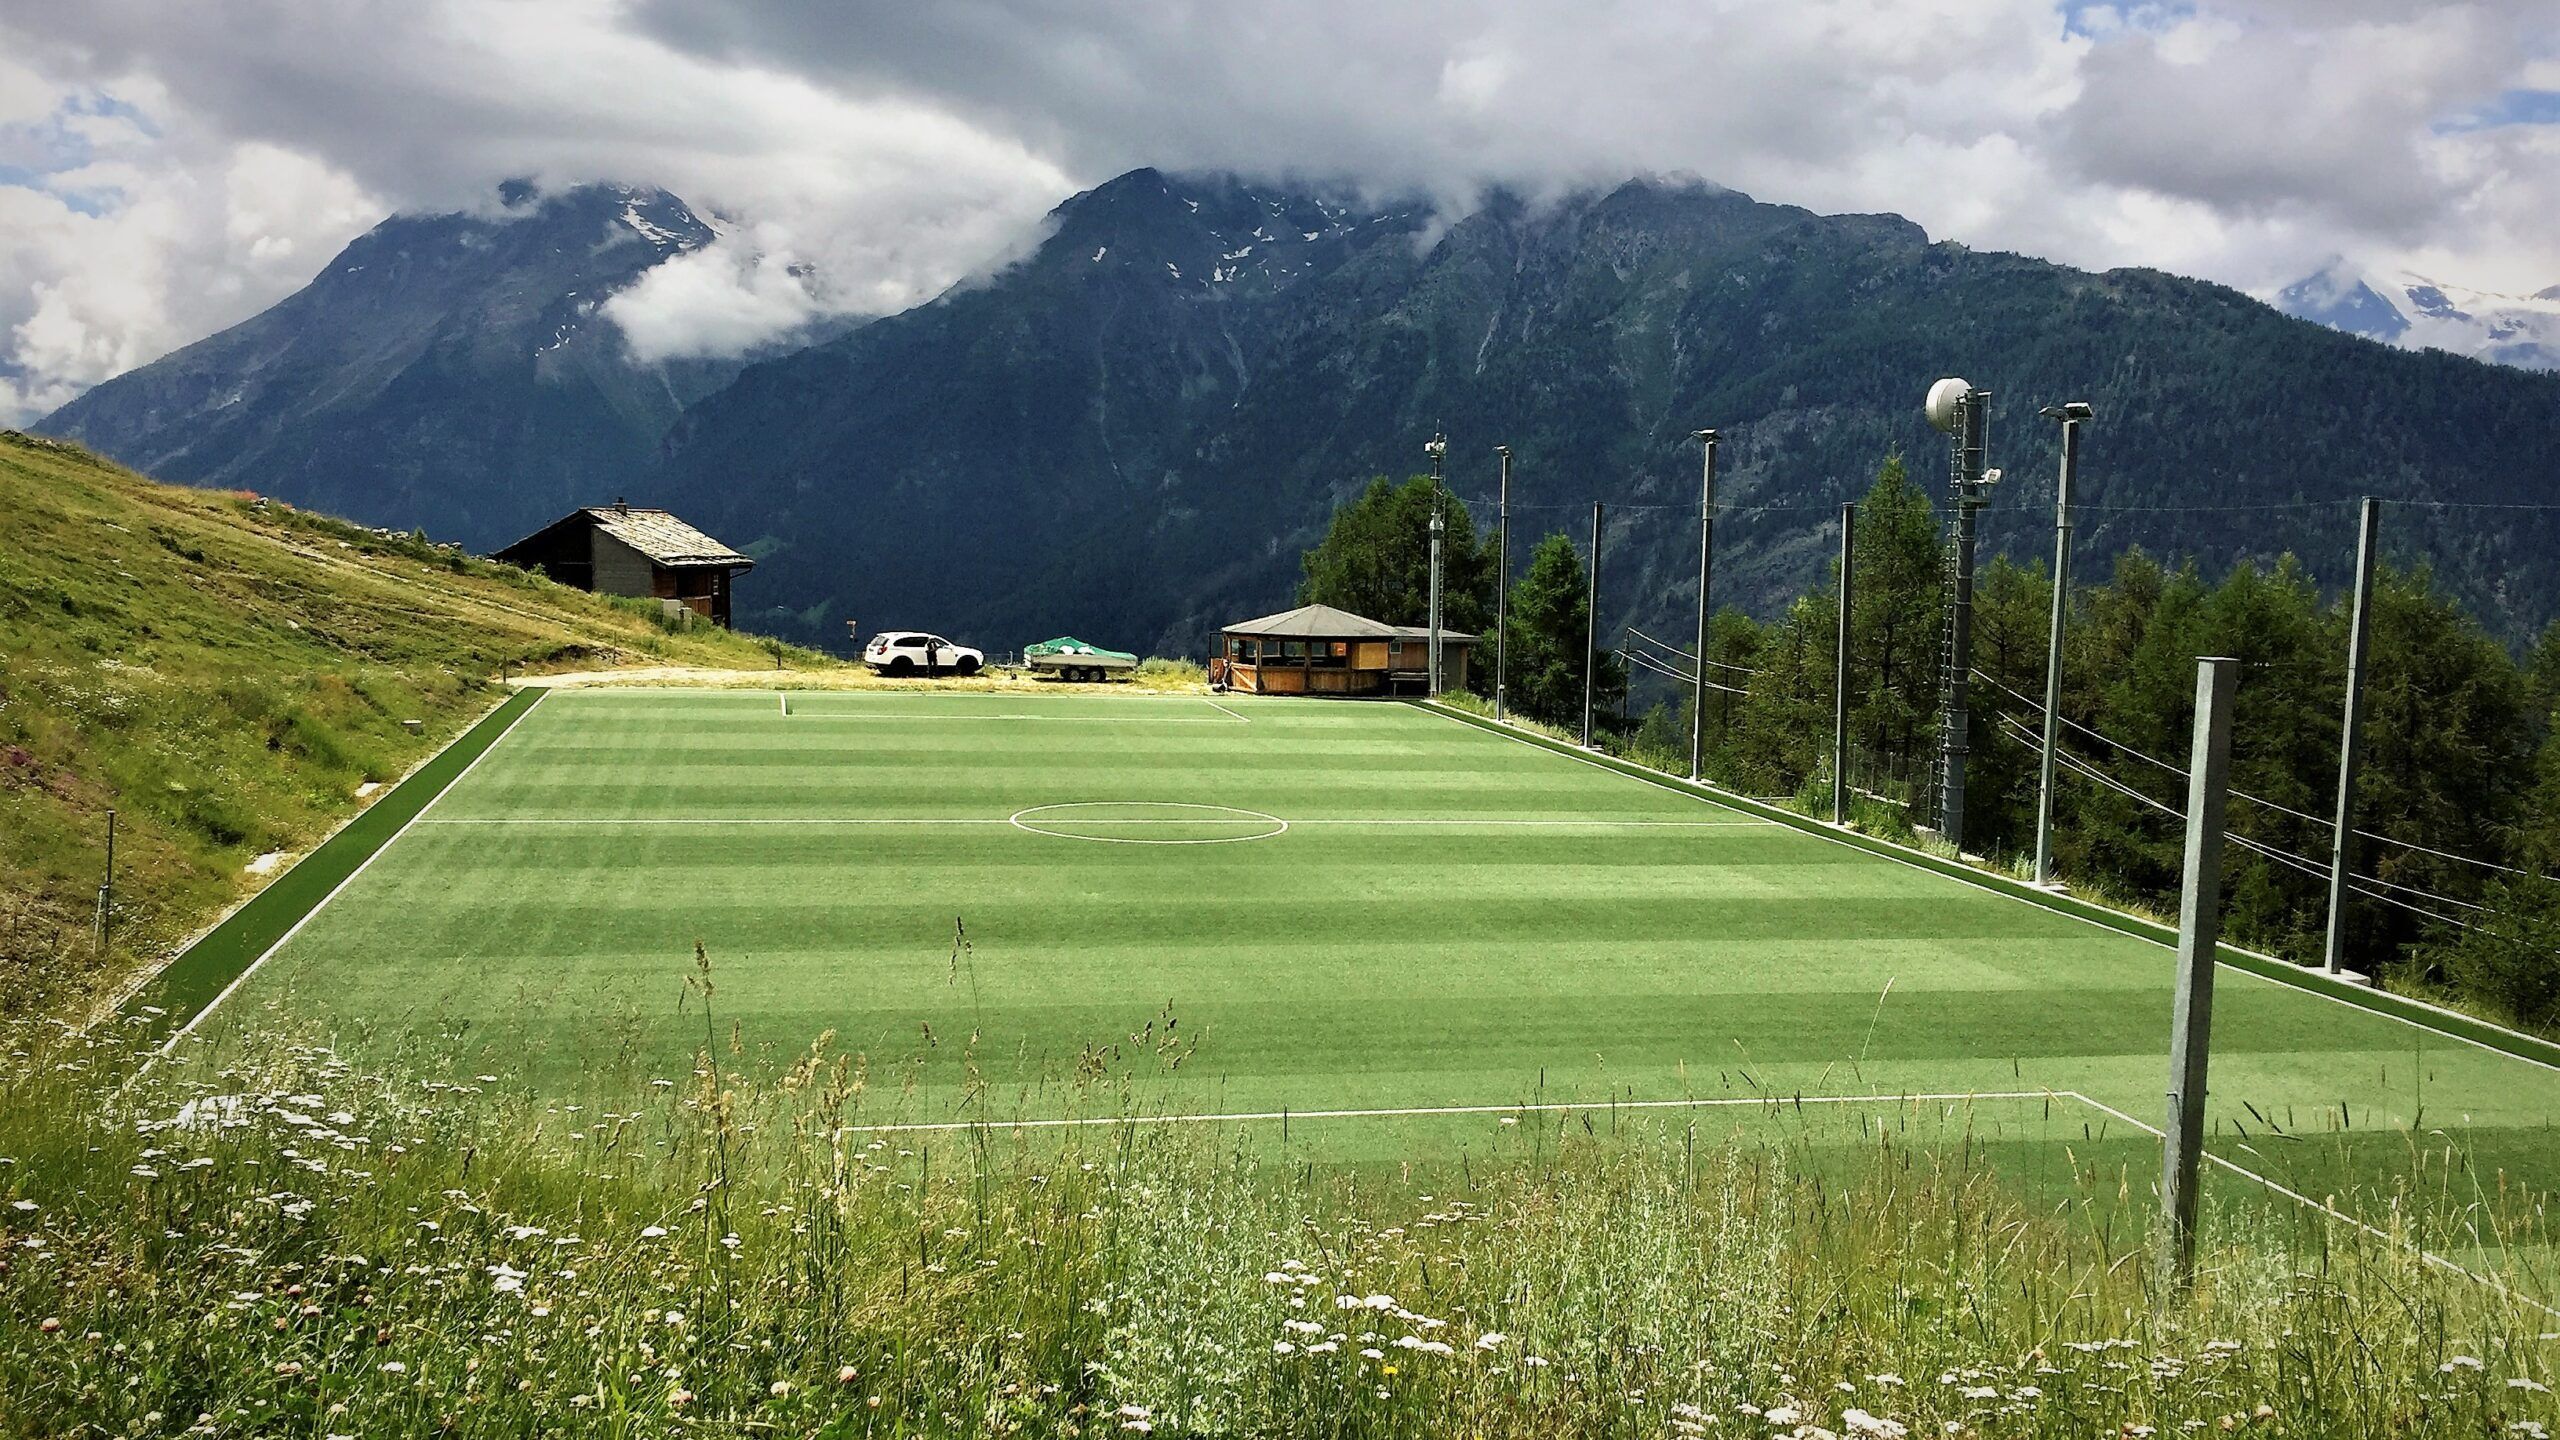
pixel 165 171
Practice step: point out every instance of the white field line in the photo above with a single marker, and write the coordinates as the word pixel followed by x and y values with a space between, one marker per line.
pixel 2331 1211
pixel 1223 710
pixel 1548 1107
pixel 1041 719
pixel 1823 832
pixel 1765 1102
pixel 826 821
pixel 171 1045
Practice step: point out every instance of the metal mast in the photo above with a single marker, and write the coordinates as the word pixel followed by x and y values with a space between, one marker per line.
pixel 1591 631
pixel 2333 951
pixel 1706 561
pixel 2071 416
pixel 1964 413
pixel 1840 668
pixel 1501 578
pixel 1437 447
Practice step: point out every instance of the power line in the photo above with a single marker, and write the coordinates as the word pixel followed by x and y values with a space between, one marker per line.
pixel 2180 772
pixel 2362 884
pixel 1684 677
pixel 1686 655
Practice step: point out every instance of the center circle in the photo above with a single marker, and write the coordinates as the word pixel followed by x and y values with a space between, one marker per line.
pixel 1148 822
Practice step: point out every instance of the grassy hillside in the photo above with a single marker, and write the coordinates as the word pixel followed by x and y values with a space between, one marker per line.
pixel 229 675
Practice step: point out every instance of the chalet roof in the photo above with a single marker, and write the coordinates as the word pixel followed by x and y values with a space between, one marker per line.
pixel 1324 622
pixel 662 537
pixel 659 537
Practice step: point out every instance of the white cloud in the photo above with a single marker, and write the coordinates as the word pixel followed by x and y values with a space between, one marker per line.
pixel 167 169
pixel 724 299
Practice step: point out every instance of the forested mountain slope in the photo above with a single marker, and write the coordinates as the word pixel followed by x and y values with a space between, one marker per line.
pixel 1133 432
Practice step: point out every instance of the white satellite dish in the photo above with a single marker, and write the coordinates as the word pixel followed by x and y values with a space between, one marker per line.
pixel 1943 399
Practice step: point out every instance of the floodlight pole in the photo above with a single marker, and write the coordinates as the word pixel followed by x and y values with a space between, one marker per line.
pixel 1591 630
pixel 2071 416
pixel 1438 446
pixel 1706 560
pixel 2350 737
pixel 1501 577
pixel 1840 673
pixel 2199 932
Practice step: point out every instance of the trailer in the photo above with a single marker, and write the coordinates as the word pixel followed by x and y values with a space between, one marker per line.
pixel 1068 658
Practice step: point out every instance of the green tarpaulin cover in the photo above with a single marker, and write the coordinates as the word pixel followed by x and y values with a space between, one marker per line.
pixel 1066 645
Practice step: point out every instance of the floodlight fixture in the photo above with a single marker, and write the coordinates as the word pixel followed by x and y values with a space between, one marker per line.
pixel 2072 410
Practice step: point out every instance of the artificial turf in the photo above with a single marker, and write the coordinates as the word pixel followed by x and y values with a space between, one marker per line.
pixel 1450 918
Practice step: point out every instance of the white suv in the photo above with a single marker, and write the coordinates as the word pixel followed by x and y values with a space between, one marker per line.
pixel 908 652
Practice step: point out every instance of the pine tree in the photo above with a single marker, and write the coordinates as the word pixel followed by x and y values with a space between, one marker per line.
pixel 1375 560
pixel 1550 618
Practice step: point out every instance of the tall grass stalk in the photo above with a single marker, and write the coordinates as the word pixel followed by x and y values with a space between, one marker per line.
pixel 271 1241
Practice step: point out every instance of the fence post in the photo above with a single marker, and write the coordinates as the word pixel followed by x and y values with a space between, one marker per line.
pixel 2199 932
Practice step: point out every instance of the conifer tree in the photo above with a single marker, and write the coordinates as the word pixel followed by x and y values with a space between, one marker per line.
pixel 1550 615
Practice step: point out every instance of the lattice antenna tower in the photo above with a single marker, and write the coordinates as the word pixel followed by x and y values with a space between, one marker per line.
pixel 1963 412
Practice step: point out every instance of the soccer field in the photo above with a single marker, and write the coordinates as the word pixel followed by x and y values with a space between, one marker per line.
pixel 1180 906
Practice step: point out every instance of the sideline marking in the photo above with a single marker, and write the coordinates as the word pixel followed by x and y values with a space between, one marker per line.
pixel 1046 719
pixel 1813 829
pixel 1353 822
pixel 1223 710
pixel 1544 1107
pixel 170 1045
pixel 1220 818
pixel 1766 1102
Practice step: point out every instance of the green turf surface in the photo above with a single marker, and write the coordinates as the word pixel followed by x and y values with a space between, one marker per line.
pixel 1449 918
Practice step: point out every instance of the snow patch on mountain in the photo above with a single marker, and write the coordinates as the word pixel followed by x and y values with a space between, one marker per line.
pixel 2415 312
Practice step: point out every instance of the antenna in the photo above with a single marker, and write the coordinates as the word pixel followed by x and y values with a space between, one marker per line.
pixel 1962 411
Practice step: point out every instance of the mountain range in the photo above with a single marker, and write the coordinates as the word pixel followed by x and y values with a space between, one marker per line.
pixel 445 372
pixel 1131 431
pixel 2414 312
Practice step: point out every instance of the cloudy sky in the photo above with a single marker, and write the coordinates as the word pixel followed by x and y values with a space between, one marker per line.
pixel 167 169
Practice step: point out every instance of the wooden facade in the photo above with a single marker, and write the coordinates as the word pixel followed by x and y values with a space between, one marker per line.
pixel 622 550
pixel 1318 650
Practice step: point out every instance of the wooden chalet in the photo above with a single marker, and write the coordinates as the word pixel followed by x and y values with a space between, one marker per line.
pixel 621 549
pixel 1318 650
